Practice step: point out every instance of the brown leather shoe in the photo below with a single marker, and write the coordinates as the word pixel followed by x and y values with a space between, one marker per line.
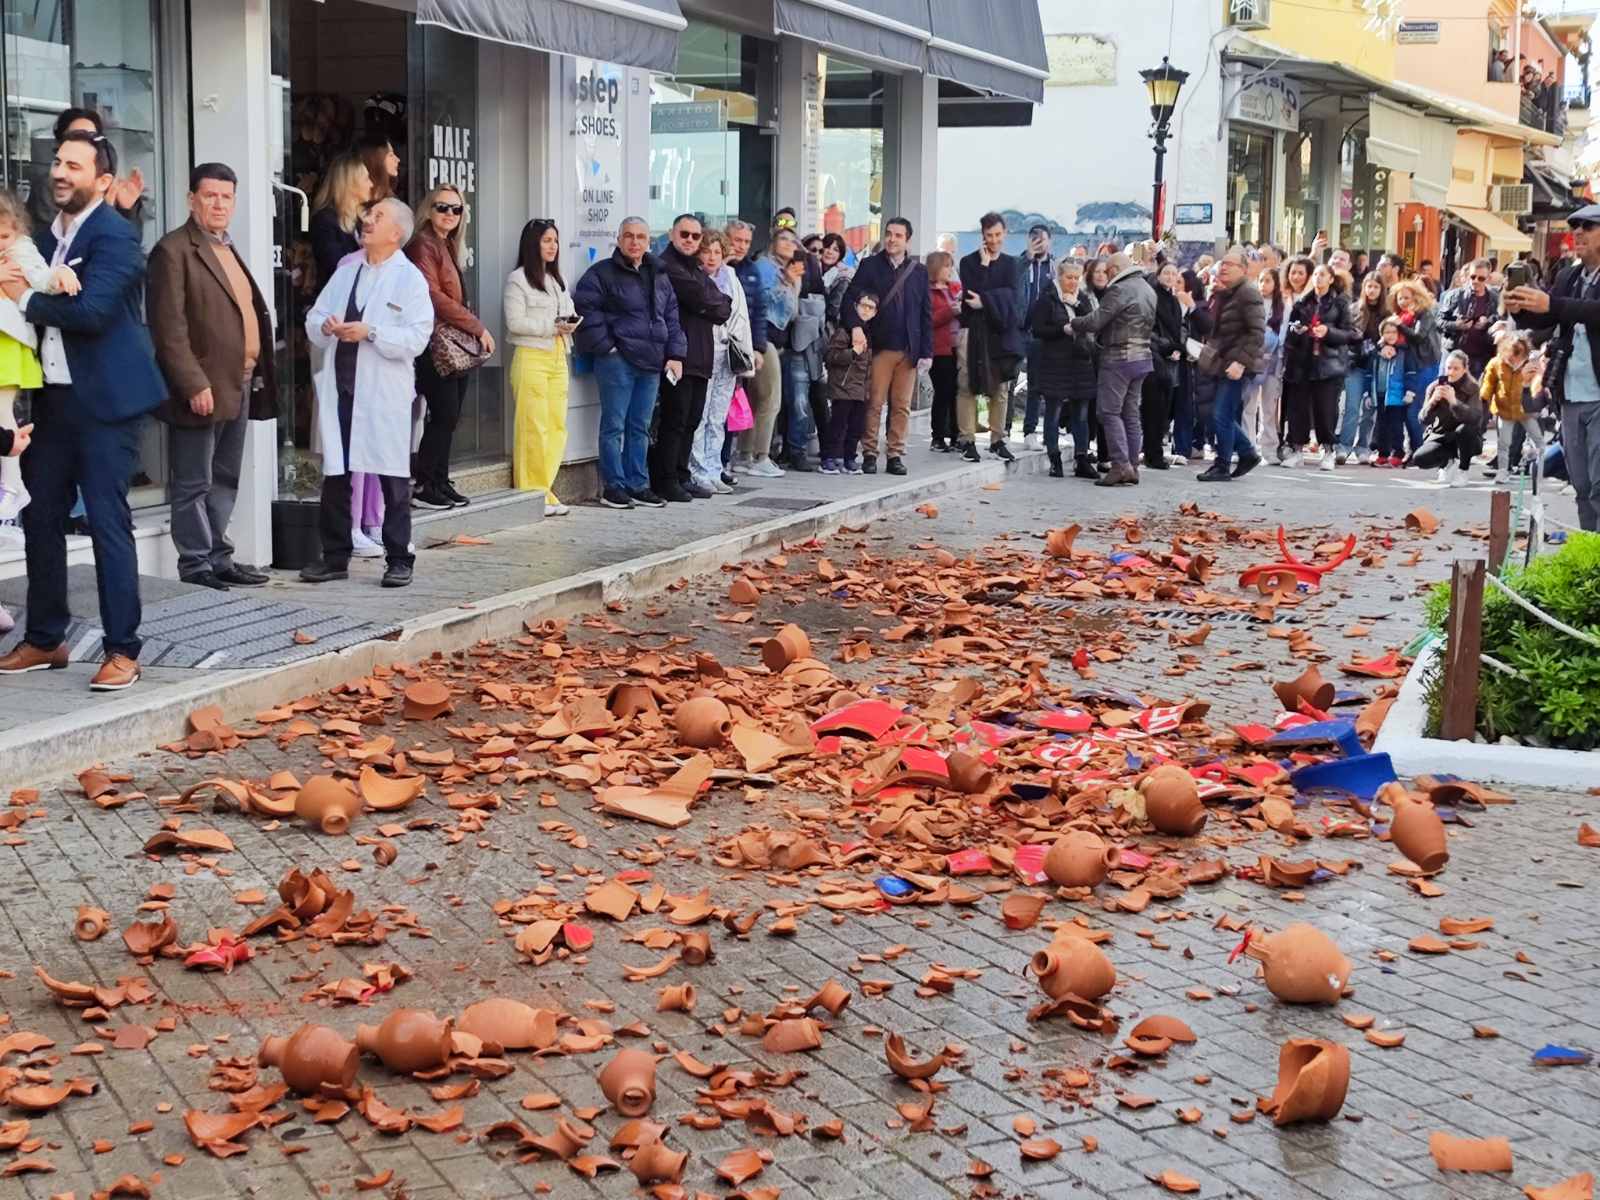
pixel 31 658
pixel 119 672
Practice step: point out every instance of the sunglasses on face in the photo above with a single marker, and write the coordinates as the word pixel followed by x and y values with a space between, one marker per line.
pixel 1583 225
pixel 784 223
pixel 689 235
pixel 1480 279
pixel 456 209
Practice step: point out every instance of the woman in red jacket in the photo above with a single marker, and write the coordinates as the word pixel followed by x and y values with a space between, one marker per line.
pixel 946 296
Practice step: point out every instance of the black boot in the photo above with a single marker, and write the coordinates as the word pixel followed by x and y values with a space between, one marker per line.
pixel 1085 468
pixel 1055 465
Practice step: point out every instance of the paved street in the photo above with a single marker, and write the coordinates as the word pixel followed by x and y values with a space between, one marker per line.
pixel 1530 980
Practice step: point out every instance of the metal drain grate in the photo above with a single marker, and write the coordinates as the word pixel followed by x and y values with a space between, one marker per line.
pixel 782 503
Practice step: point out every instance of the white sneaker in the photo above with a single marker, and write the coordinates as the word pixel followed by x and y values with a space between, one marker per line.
pixel 764 468
pixel 1293 459
pixel 1327 463
pixel 7 622
pixel 556 509
pixel 722 489
pixel 361 546
pixel 1454 476
pixel 12 502
pixel 1032 441
pixel 738 465
pixel 11 535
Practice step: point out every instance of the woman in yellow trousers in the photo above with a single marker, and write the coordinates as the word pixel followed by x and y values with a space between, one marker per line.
pixel 539 322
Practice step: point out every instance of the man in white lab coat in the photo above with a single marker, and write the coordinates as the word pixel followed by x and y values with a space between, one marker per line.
pixel 371 321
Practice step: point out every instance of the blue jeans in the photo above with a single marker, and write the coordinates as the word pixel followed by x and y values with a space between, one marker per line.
pixel 73 454
pixel 1360 412
pixel 1225 413
pixel 1417 381
pixel 627 402
pixel 799 425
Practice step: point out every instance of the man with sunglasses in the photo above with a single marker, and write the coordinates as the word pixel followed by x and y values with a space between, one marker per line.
pixel 1469 314
pixel 701 307
pixel 1572 306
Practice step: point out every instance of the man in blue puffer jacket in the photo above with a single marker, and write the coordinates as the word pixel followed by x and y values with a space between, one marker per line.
pixel 630 327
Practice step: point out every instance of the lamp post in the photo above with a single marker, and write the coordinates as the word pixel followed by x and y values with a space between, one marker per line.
pixel 1163 84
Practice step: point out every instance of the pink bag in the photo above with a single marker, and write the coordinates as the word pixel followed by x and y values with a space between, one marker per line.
pixel 740 417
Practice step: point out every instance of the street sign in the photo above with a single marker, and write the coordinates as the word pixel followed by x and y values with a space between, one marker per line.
pixel 692 116
pixel 1192 214
pixel 1417 33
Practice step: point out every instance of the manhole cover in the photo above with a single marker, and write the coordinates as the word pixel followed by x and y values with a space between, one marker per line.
pixel 781 503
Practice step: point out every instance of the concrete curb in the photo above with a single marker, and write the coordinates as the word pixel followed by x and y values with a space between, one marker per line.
pixel 1402 737
pixel 66 744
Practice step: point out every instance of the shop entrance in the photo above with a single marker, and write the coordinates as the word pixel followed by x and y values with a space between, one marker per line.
pixel 350 77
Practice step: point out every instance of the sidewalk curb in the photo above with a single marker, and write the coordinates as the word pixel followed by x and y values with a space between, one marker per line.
pixel 66 744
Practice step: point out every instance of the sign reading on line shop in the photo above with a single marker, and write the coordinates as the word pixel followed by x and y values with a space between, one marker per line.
pixel 597 128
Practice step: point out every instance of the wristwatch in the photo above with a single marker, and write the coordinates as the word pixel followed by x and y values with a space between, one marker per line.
pixel 372 334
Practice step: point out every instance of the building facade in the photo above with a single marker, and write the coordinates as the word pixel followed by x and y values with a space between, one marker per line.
pixel 581 110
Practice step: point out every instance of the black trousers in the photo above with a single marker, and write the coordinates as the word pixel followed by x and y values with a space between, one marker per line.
pixel 1155 412
pixel 445 396
pixel 334 514
pixel 678 412
pixel 1314 402
pixel 942 374
pixel 1437 449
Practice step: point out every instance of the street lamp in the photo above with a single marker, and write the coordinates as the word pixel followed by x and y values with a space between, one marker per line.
pixel 1163 83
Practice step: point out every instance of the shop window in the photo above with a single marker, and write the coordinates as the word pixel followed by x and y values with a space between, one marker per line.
pixel 711 154
pixel 1249 184
pixel 849 167
pixel 1302 196
pixel 102 55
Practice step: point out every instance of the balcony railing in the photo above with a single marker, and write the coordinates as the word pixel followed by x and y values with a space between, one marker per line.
pixel 1536 116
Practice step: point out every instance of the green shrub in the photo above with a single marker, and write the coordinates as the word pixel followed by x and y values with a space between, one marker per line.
pixel 1556 694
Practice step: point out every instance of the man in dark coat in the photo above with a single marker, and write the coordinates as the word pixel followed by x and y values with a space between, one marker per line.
pixel 901 337
pixel 630 328
pixel 1038 277
pixel 991 348
pixel 701 307
pixel 1235 348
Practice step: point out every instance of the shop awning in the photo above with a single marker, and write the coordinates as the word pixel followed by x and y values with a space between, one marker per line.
pixel 998 47
pixel 1436 153
pixel 1499 234
pixel 636 33
pixel 1394 136
pixel 892 33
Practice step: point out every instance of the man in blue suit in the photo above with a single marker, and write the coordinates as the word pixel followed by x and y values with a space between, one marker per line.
pixel 100 382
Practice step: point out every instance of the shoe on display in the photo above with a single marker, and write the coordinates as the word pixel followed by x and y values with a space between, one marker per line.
pixel 647 498
pixel 362 546
pixel 116 674
pixel 26 657
pixel 764 468
pixel 615 497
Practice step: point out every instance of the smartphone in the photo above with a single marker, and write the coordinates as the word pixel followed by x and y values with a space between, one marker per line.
pixel 571 322
pixel 1518 274
pixel 672 377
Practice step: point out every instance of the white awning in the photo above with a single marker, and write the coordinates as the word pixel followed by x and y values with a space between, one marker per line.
pixel 1436 152
pixel 1394 136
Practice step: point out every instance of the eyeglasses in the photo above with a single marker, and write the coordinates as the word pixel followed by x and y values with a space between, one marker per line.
pixel 1480 279
pixel 689 235
pixel 785 223
pixel 457 209
pixel 1586 224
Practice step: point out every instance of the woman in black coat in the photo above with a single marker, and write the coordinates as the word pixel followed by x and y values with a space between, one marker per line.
pixel 1317 358
pixel 1067 366
pixel 1166 354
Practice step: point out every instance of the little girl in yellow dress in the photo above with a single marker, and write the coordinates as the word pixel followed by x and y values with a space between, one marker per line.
pixel 19 362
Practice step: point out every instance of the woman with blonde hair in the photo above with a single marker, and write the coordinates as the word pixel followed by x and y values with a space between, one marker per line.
pixel 459 342
pixel 336 214
pixel 540 322
pixel 1419 331
pixel 945 297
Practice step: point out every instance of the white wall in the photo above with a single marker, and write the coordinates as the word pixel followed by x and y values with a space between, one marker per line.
pixel 1089 140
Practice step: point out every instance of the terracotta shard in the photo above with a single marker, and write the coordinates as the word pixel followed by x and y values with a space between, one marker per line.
pixel 613 899
pixel 1174 1182
pixel 1313 1077
pixel 1588 836
pixel 425 700
pixel 741 1165
pixel 904 1065
pixel 213 840
pixel 1457 926
pixel 510 1024
pixel 1422 521
pixel 793 1036
pixel 1170 1028
pixel 831 996
pixel 789 645
pixel 1021 909
pixel 1309 687
pixel 90 923
pixel 1469 1154
pixel 1578 1187
pixel 384 793
pixel 1058 542
pixel 679 998
pixel 742 591
pixel 652 1162
pixel 1039 1149
pixel 147 937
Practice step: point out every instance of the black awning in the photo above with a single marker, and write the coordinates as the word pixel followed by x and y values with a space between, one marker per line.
pixel 996 46
pixel 636 33
pixel 892 33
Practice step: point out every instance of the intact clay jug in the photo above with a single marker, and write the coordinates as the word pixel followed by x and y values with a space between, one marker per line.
pixel 1302 965
pixel 1079 858
pixel 1418 833
pixel 703 722
pixel 629 1082
pixel 410 1039
pixel 312 1058
pixel 1310 686
pixel 509 1024
pixel 1071 964
pixel 327 803
pixel 1172 801
pixel 1313 1076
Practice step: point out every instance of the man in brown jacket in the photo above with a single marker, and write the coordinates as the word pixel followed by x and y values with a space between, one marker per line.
pixel 1233 353
pixel 213 340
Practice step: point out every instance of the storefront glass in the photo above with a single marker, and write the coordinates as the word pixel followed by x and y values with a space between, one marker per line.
pixel 1250 160
pixel 849 167
pixel 710 153
pixel 1363 198
pixel 98 54
pixel 1301 217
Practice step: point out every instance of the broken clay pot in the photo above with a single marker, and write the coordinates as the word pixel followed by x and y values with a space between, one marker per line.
pixel 311 1058
pixel 653 1161
pixel 1172 801
pixel 509 1024
pixel 1418 833
pixel 1313 1077
pixel 676 998
pixel 742 591
pixel 1302 965
pixel 788 645
pixel 968 773
pixel 1310 687
pixel 629 1082
pixel 91 923
pixel 629 699
pixel 1079 858
pixel 1071 964
pixel 696 948
pixel 410 1039
pixel 327 803
pixel 425 700
pixel 703 722
pixel 1058 542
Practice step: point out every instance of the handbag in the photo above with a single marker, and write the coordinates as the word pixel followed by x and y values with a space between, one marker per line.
pixel 740 417
pixel 740 360
pixel 454 351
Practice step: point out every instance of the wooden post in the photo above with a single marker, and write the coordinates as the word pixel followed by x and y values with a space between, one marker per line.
pixel 1499 528
pixel 1458 719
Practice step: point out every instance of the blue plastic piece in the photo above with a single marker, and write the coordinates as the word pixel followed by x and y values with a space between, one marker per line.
pixel 1361 775
pixel 1341 732
pixel 1561 1056
pixel 894 886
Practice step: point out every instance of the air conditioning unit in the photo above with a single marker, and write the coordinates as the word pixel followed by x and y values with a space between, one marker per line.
pixel 1249 14
pixel 1513 198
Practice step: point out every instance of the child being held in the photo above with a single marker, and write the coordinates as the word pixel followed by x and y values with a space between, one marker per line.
pixel 1389 385
pixel 849 376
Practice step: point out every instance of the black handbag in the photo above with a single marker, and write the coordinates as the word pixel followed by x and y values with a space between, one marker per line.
pixel 740 360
